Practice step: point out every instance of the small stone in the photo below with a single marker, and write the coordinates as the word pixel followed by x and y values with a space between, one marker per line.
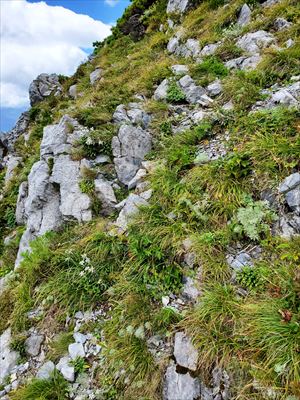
pixel 281 24
pixel 180 69
pixel 165 300
pixel 8 358
pixel 190 290
pixel 80 337
pixel 66 369
pixel 79 315
pixel 33 344
pixel 215 88
pixel 137 178
pixel 76 350
pixel 239 261
pixel 45 370
pixel 73 91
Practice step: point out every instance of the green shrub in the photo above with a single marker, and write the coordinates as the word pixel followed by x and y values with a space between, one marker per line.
pixel 79 364
pixel 87 186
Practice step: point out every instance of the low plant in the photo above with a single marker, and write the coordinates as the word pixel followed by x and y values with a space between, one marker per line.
pixel 174 93
pixel 253 219
pixel 79 364
pixel 54 388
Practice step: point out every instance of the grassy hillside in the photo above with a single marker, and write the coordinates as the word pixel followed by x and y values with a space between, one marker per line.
pixel 249 323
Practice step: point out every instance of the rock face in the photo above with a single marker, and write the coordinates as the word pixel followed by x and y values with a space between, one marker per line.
pixel 177 6
pixel 184 352
pixel 8 139
pixel 105 194
pixel 12 162
pixel 43 86
pixel 129 150
pixel 52 194
pixel 180 386
pixel 9 358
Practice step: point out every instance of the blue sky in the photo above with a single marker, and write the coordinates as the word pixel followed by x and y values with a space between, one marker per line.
pixel 46 36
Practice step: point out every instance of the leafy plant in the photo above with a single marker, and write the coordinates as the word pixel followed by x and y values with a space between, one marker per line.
pixel 252 220
pixel 250 278
pixel 10 217
pixel 174 93
pixel 87 186
pixel 79 364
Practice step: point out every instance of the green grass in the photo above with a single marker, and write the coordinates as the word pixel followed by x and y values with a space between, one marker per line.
pixel 54 388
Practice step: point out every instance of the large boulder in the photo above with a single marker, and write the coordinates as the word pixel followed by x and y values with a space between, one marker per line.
pixel 95 76
pixel 130 147
pixel 43 86
pixel 133 114
pixel 11 163
pixel 290 188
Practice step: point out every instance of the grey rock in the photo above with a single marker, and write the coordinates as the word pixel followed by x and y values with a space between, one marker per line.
pixel 288 96
pixel 239 261
pixel 288 226
pixel 66 369
pixel 179 69
pixel 95 76
pixel 290 182
pixel 194 94
pixel 173 45
pixel 20 208
pixel 80 337
pixel 130 208
pixel 281 24
pixel 244 63
pixel 270 3
pixel 177 6
pixel 190 289
pixel 290 187
pixel 214 88
pixel 73 91
pixel 162 90
pixel 180 386
pixel 43 86
pixel 210 49
pixel 132 114
pixel 59 138
pixel 33 344
pixel 244 16
pixel 101 159
pixel 184 352
pixel 9 358
pixel 289 43
pixel 138 178
pixel 189 48
pixel 129 149
pixel 8 139
pixel 73 203
pixel 46 370
pixel 254 42
pixel 12 163
pixel 106 195
pixel 76 350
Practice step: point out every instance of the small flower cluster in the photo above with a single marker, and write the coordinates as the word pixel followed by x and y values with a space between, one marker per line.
pixel 85 263
pixel 139 332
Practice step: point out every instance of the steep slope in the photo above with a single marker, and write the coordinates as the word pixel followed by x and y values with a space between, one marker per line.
pixel 150 213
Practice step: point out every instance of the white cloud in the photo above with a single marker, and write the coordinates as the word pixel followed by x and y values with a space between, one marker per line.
pixel 112 3
pixel 36 38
